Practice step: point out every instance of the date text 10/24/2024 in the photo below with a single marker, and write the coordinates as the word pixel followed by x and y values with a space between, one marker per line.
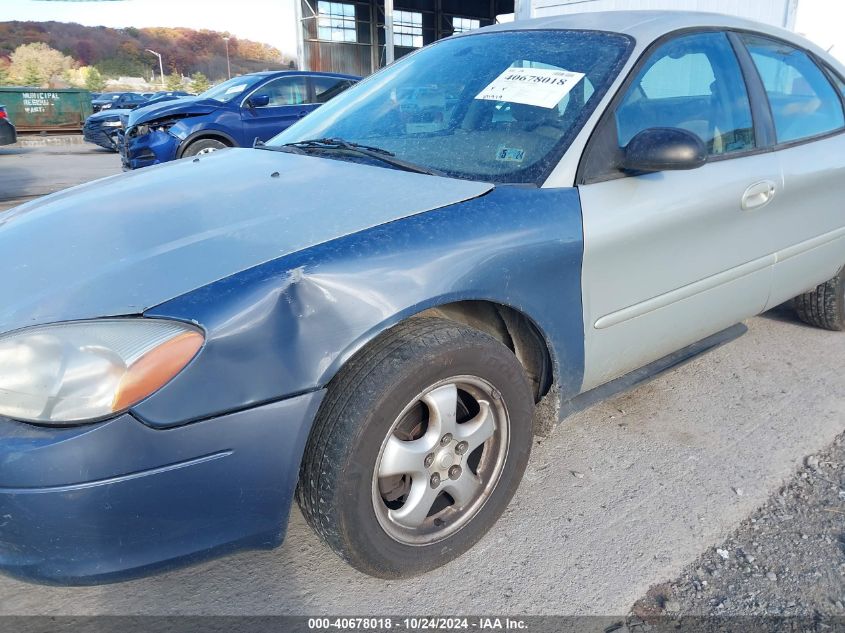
pixel 417 624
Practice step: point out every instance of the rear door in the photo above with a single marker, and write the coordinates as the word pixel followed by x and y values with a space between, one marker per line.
pixel 288 102
pixel 807 227
pixel 673 257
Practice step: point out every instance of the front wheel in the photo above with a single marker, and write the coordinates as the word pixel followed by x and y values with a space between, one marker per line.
pixel 417 449
pixel 203 146
pixel 824 307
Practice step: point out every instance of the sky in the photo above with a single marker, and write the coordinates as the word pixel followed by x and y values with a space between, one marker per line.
pixel 268 21
pixel 272 21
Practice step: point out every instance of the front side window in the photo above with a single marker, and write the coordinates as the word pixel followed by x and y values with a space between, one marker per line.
pixel 336 21
pixel 804 103
pixel 285 91
pixel 407 29
pixel 693 83
pixel 462 25
pixel 497 107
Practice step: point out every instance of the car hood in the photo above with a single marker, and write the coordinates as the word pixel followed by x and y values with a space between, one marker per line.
pixel 184 105
pixel 127 243
pixel 106 114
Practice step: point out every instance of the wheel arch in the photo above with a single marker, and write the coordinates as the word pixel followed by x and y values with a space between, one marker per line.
pixel 200 135
pixel 510 326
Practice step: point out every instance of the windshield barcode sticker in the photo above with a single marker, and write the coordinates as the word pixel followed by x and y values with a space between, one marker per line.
pixel 539 87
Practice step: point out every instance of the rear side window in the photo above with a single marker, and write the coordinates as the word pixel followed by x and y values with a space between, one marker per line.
pixel 695 83
pixel 326 88
pixel 803 101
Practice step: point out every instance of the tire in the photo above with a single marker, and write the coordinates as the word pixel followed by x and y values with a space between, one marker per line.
pixel 824 307
pixel 203 146
pixel 383 398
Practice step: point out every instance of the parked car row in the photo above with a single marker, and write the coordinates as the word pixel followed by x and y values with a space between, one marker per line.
pixel 235 113
pixel 102 128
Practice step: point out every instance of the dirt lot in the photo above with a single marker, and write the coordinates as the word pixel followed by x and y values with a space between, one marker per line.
pixel 624 496
pixel 787 559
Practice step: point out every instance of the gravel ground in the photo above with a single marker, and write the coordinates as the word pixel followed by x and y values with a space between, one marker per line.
pixel 787 559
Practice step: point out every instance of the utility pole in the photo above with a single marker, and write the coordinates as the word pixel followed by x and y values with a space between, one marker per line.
pixel 228 65
pixel 160 65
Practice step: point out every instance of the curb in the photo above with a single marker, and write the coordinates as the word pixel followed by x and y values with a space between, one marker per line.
pixel 43 140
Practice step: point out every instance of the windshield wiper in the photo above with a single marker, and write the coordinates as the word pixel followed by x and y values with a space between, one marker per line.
pixel 376 153
pixel 287 149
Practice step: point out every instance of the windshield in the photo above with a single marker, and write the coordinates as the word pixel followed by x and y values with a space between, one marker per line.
pixel 499 107
pixel 230 89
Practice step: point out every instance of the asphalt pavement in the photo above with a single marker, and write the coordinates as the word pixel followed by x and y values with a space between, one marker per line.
pixel 621 497
pixel 30 172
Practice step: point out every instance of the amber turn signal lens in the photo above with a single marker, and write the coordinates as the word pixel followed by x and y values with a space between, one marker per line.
pixel 155 369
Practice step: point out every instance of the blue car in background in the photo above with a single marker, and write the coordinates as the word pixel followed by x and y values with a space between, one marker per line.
pixel 232 114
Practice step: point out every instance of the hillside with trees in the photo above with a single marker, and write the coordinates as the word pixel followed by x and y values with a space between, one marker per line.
pixel 102 52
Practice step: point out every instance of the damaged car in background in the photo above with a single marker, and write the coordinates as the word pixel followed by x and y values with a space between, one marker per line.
pixel 105 128
pixel 363 312
pixel 235 113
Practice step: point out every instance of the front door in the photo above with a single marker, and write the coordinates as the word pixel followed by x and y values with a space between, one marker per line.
pixel 673 257
pixel 287 103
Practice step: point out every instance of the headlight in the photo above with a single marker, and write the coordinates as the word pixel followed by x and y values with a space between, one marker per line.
pixel 112 124
pixel 87 370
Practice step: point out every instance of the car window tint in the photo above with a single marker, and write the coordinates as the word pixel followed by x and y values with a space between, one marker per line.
pixel 285 91
pixel 694 83
pixel 803 101
pixel 326 88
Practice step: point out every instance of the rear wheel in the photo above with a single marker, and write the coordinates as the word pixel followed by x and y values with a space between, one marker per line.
pixel 203 146
pixel 418 447
pixel 824 307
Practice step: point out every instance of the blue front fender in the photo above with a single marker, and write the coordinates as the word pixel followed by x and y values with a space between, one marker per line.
pixel 286 327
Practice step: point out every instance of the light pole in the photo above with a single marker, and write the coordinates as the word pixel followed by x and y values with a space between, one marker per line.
pixel 228 66
pixel 160 65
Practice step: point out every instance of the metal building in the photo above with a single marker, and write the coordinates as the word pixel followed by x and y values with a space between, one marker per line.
pixel 776 12
pixel 349 36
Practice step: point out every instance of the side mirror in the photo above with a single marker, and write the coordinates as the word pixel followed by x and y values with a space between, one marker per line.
pixel 259 101
pixel 664 149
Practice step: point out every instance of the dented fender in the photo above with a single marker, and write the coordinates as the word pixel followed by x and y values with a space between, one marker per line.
pixel 286 327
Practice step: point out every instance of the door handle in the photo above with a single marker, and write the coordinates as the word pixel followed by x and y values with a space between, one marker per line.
pixel 758 195
pixel 303 113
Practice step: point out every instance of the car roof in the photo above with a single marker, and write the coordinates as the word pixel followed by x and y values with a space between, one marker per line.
pixel 647 26
pixel 310 73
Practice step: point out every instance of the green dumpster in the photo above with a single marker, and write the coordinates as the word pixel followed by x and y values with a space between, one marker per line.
pixel 46 110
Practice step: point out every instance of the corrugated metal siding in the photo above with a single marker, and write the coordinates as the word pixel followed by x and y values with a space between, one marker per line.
pixel 776 12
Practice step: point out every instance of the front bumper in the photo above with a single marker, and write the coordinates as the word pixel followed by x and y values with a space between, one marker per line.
pixel 118 499
pixel 152 148
pixel 100 136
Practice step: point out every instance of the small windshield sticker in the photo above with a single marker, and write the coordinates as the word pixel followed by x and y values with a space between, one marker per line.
pixel 510 155
pixel 539 87
pixel 236 89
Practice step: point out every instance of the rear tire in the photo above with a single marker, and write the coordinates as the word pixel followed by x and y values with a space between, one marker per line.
pixel 383 411
pixel 824 307
pixel 203 146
